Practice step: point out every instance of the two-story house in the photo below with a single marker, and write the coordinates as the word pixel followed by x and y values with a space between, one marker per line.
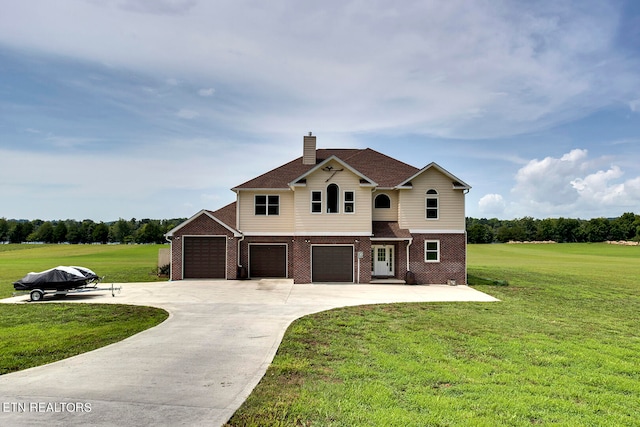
pixel 332 215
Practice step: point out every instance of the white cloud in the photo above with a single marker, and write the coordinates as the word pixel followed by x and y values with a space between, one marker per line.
pixel 574 184
pixel 549 180
pixel 455 68
pixel 492 205
pixel 596 188
pixel 185 113
pixel 168 183
pixel 635 105
pixel 158 7
pixel 206 91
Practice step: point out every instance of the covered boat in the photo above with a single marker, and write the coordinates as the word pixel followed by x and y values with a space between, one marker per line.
pixel 59 278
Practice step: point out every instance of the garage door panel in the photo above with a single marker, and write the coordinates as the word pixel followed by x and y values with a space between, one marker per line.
pixel 267 260
pixel 332 264
pixel 204 257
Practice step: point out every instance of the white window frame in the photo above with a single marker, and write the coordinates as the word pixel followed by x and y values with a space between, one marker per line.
pixel 337 198
pixel 376 199
pixel 266 205
pixel 433 196
pixel 437 251
pixel 312 202
pixel 349 202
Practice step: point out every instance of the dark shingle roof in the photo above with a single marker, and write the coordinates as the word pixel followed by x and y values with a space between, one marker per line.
pixel 226 214
pixel 384 170
pixel 389 230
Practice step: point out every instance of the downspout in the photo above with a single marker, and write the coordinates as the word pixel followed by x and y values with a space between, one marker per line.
pixel 466 273
pixel 410 242
pixel 238 228
pixel 170 256
pixel 239 242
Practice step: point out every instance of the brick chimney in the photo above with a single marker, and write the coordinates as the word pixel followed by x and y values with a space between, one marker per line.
pixel 309 150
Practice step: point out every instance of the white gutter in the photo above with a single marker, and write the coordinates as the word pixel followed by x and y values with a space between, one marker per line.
pixel 410 242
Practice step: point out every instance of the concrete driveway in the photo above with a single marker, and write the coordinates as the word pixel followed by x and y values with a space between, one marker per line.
pixel 197 367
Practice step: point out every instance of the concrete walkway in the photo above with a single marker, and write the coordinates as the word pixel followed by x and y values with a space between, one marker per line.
pixel 196 368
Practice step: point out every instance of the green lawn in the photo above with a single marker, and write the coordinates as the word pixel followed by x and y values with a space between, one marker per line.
pixel 34 334
pixel 118 263
pixel 561 349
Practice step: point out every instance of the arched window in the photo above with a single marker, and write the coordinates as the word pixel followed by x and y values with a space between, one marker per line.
pixel 333 198
pixel 382 201
pixel 432 204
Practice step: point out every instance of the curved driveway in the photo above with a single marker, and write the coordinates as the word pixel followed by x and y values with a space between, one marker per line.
pixel 197 367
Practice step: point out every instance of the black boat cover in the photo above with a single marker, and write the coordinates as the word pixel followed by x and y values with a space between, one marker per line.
pixel 58 278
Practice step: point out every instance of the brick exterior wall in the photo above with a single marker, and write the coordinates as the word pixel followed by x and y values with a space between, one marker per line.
pixel 302 256
pixel 299 254
pixel 244 249
pixel 452 265
pixel 203 225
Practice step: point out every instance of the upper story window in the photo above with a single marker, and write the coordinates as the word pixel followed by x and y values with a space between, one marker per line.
pixel 333 198
pixel 382 201
pixel 267 205
pixel 432 204
pixel 349 202
pixel 316 202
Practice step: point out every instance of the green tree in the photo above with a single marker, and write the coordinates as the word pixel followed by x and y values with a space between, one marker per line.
pixel 17 233
pixel 528 228
pixel 45 232
pixel 60 232
pixel 546 229
pixel 479 233
pixel 86 231
pixel 73 232
pixel 101 233
pixel 596 230
pixel 150 232
pixel 4 229
pixel 624 227
pixel 567 230
pixel 121 231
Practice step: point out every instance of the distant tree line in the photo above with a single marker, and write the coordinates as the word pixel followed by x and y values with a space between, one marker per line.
pixel 87 231
pixel 561 230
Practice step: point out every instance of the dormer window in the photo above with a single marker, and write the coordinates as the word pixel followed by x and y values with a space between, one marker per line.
pixel 382 201
pixel 432 204
pixel 333 198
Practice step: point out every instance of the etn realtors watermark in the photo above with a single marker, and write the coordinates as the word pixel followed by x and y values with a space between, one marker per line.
pixel 44 407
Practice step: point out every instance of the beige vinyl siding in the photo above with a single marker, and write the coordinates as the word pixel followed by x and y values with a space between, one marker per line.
pixel 333 223
pixel 412 204
pixel 276 224
pixel 386 214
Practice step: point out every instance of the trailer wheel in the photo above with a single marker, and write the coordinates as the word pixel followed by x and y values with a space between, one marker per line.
pixel 37 295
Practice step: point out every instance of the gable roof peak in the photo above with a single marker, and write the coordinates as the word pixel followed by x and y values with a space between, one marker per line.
pixel 456 182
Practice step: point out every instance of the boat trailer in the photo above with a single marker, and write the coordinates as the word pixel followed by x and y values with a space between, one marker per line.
pixel 38 294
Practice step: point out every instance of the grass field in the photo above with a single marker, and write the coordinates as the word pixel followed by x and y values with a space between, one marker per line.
pixel 561 349
pixel 118 263
pixel 35 334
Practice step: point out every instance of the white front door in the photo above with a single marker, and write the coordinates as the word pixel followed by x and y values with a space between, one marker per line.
pixel 382 260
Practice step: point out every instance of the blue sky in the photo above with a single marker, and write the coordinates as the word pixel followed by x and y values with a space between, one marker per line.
pixel 156 108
